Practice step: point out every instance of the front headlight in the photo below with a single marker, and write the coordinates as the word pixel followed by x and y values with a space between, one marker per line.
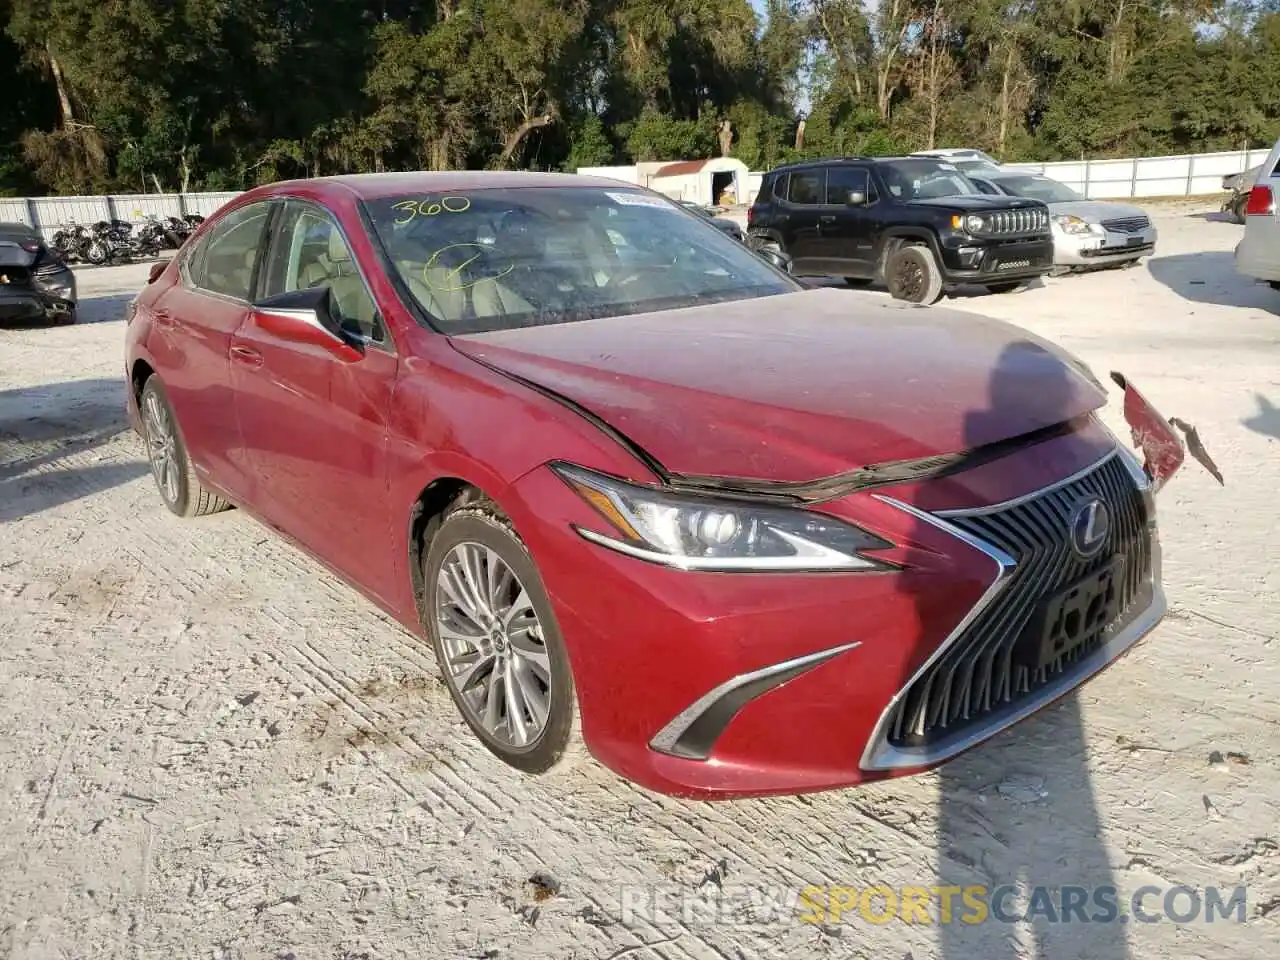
pixel 704 533
pixel 974 223
pixel 1072 224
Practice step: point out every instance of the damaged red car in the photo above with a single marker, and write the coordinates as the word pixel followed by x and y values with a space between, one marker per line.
pixel 639 488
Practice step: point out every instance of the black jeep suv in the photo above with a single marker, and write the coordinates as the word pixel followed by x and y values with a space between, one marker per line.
pixel 917 223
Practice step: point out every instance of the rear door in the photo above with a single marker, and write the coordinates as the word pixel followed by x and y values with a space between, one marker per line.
pixel 315 427
pixel 802 235
pixel 191 328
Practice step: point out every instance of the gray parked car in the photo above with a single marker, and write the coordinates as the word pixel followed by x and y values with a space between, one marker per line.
pixel 1086 233
pixel 34 283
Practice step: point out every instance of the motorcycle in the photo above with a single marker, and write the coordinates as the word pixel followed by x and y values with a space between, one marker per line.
pixel 1240 185
pixel 71 243
pixel 114 241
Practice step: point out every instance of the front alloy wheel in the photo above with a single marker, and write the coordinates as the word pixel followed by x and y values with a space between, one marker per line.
pixel 496 640
pixel 494 651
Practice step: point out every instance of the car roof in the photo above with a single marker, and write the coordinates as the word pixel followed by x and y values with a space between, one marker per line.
pixel 374 186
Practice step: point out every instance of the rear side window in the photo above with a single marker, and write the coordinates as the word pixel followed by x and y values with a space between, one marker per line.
pixel 780 186
pixel 224 262
pixel 807 186
pixel 841 181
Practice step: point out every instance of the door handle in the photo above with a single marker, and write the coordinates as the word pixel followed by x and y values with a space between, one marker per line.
pixel 246 355
pixel 164 318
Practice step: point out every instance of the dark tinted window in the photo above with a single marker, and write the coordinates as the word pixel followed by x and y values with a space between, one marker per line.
pixel 924 178
pixel 841 181
pixel 807 186
pixel 224 261
pixel 780 186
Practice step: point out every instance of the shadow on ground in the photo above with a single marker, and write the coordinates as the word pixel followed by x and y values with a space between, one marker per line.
pixel 1266 421
pixel 42 428
pixel 1214 216
pixel 1210 277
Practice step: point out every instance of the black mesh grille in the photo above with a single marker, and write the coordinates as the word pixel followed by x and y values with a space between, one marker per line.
pixel 983 670
pixel 1126 224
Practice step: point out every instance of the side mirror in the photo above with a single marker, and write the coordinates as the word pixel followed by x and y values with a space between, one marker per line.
pixel 304 316
pixel 156 269
pixel 776 257
pixel 856 198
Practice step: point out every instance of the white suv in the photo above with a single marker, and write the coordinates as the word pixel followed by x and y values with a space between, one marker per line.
pixel 1258 254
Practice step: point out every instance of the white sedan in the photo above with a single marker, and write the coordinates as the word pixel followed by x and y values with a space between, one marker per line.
pixel 1086 233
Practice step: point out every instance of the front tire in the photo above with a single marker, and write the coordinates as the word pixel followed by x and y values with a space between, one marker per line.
pixel 171 468
pixel 913 275
pixel 496 640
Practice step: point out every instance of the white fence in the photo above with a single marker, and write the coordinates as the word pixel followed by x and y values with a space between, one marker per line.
pixel 1180 176
pixel 48 214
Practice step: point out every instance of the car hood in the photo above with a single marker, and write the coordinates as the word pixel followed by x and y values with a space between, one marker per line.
pixel 1095 211
pixel 799 386
pixel 977 202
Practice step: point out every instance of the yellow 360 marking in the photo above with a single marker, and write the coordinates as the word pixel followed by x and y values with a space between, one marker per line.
pixel 413 209
pixel 454 272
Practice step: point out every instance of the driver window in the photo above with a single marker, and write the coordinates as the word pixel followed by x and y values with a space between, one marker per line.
pixel 310 251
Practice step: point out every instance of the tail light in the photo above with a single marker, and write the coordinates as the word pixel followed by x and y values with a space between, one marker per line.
pixel 1261 202
pixel 751 215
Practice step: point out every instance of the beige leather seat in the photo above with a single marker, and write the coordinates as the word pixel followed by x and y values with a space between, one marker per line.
pixel 437 289
pixel 336 268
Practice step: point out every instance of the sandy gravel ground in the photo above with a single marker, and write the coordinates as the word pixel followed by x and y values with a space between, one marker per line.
pixel 210 748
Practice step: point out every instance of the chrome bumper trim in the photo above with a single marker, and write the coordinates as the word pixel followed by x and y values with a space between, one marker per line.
pixel 692 733
pixel 879 754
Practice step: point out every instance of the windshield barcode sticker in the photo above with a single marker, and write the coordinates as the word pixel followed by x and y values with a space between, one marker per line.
pixel 639 200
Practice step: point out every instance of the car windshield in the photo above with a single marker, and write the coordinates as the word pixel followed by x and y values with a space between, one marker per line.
pixel 921 178
pixel 1039 188
pixel 478 260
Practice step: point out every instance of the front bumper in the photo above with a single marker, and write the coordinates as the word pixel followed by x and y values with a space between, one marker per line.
pixel 1099 249
pixel 984 261
pixel 724 685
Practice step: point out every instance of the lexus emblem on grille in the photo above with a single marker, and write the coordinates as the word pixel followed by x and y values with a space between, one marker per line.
pixel 1090 524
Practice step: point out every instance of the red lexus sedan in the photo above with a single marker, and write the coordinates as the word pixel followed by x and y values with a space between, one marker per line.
pixel 641 489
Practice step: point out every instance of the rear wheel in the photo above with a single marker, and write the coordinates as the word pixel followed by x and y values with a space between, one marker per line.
pixel 175 478
pixel 913 275
pixel 496 639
